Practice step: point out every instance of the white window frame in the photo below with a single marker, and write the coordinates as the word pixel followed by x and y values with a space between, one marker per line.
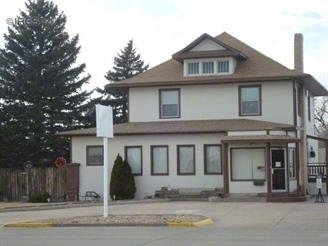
pixel 230 60
pixel 190 65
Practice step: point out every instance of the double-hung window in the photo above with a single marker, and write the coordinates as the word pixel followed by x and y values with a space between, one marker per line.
pixel 186 159
pixel 249 100
pixel 95 155
pixel 133 154
pixel 169 103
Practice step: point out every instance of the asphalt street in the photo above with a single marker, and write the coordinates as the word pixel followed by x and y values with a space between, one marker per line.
pixel 235 223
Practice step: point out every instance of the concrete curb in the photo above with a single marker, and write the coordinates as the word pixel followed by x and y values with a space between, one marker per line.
pixel 199 223
pixel 31 224
pixel 28 225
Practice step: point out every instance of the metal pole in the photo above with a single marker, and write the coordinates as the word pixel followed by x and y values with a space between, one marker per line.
pixel 106 163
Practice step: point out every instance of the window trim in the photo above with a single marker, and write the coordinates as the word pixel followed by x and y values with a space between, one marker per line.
pixel 178 160
pixel 152 147
pixel 230 60
pixel 240 102
pixel 160 104
pixel 87 151
pixel 205 159
pixel 126 157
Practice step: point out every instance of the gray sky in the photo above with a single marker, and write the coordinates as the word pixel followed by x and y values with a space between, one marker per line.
pixel 160 28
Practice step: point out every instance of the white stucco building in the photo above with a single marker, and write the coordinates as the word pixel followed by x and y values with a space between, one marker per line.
pixel 219 114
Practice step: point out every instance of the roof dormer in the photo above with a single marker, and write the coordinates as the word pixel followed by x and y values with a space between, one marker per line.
pixel 208 56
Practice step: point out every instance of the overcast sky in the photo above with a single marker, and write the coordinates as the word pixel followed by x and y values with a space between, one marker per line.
pixel 160 28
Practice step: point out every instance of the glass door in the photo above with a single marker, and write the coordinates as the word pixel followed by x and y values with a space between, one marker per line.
pixel 278 170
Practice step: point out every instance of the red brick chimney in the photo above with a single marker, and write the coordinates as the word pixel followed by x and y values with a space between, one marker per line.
pixel 298 52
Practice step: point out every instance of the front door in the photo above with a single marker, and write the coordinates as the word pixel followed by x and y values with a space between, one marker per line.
pixel 278 170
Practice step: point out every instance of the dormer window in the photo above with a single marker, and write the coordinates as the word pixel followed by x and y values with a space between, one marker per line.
pixel 193 68
pixel 223 66
pixel 209 66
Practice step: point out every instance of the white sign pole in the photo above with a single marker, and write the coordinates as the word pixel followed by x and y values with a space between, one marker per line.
pixel 104 121
pixel 106 163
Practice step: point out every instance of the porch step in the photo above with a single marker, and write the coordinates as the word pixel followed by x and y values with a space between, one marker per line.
pixel 286 197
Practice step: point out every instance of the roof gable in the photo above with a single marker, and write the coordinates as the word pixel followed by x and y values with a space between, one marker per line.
pixel 207 46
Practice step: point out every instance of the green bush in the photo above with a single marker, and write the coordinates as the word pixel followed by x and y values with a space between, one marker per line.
pixel 39 197
pixel 122 184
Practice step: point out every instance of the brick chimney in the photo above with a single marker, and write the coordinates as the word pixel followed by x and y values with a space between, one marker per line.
pixel 298 52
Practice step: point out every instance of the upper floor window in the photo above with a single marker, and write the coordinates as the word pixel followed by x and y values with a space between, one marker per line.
pixel 223 66
pixel 169 103
pixel 193 68
pixel 208 67
pixel 95 155
pixel 249 100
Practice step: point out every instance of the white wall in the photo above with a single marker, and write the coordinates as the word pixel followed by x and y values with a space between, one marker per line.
pixel 200 102
pixel 91 178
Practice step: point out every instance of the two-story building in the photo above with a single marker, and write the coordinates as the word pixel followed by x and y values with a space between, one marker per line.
pixel 219 114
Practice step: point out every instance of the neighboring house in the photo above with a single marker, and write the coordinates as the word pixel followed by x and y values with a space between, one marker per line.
pixel 219 114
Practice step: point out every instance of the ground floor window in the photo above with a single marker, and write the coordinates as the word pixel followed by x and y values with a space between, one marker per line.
pixel 212 159
pixel 186 159
pixel 95 155
pixel 247 164
pixel 133 154
pixel 159 160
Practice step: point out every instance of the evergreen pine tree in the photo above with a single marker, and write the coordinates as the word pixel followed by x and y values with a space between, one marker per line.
pixel 40 85
pixel 126 65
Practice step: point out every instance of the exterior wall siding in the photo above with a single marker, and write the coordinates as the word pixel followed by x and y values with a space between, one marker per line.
pixel 91 177
pixel 201 102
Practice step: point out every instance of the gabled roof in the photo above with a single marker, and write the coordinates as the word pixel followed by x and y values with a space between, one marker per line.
pixel 227 51
pixel 256 68
pixel 184 127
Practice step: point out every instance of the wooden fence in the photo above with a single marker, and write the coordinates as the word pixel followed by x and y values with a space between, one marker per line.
pixel 60 183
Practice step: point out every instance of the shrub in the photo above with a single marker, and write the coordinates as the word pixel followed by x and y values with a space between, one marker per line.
pixel 122 184
pixel 39 197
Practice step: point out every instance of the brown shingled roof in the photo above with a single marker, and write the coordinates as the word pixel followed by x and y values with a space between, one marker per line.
pixel 183 127
pixel 256 68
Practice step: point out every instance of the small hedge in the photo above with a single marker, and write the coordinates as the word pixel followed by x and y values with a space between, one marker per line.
pixel 39 197
pixel 122 184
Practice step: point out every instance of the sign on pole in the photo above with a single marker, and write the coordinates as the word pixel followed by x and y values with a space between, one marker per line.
pixel 104 122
